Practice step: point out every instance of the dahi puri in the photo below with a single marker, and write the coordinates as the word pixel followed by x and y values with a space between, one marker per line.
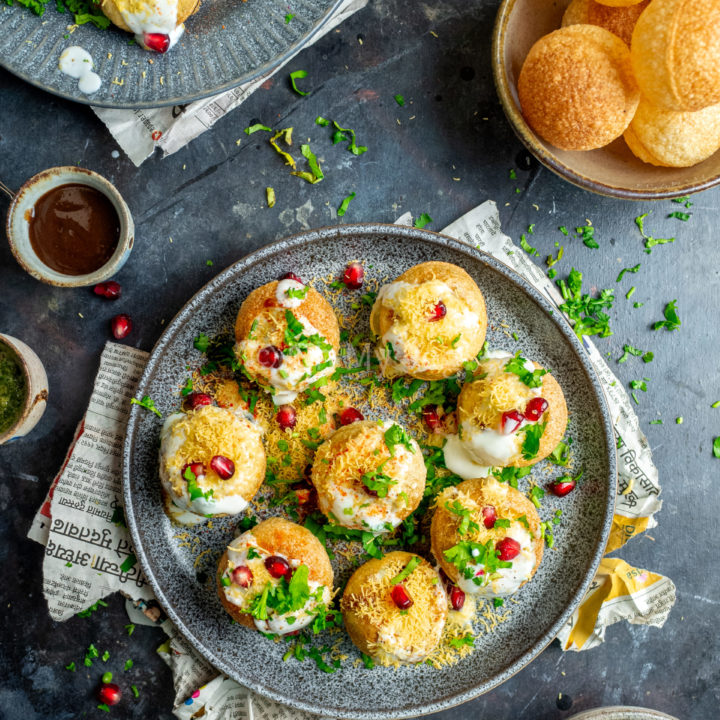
pixel 619 20
pixel 673 139
pixel 577 89
pixel 676 54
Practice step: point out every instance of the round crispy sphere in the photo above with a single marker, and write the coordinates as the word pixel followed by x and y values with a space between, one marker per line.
pixel 619 20
pixel 185 8
pixel 576 87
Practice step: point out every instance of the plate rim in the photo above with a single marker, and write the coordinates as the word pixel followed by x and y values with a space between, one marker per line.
pixel 307 238
pixel 276 62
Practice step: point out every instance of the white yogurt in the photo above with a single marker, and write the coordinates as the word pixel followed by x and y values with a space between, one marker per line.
pixel 490 447
pixel 281 293
pixel 78 63
pixel 460 462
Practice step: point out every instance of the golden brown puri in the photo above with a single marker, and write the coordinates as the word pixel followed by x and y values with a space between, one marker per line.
pixel 278 536
pixel 620 3
pixel 185 8
pixel 576 87
pixel 673 139
pixel 676 54
pixel 367 606
pixel 508 503
pixel 619 20
pixel 314 308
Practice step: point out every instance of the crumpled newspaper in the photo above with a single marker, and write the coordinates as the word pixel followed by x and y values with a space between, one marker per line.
pixel 139 132
pixel 89 555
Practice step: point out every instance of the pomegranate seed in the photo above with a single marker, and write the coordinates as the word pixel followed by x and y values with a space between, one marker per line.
pixel 353 276
pixel 270 357
pixel 439 312
pixel 291 276
pixel 401 597
pixel 277 566
pixel 508 548
pixel 511 421
pixel 535 408
pixel 489 516
pixel 223 466
pixel 109 693
pixel 242 576
pixel 563 486
pixel 196 400
pixel 431 417
pixel 109 290
pixel 196 468
pixel 286 417
pixel 303 495
pixel 159 42
pixel 121 326
pixel 350 415
pixel 457 598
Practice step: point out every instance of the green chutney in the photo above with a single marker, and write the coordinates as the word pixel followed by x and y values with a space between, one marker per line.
pixel 13 390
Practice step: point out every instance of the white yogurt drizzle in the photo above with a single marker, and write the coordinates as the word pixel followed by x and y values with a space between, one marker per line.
pixel 282 297
pixel 160 16
pixel 78 63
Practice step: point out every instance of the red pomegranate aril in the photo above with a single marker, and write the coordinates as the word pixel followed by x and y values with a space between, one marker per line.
pixel 457 598
pixel 431 417
pixel 353 276
pixel 121 326
pixel 159 42
pixel 196 468
pixel 401 597
pixel 242 576
pixel 563 486
pixel 511 421
pixel 508 548
pixel 292 276
pixel 270 357
pixel 350 415
pixel 277 566
pixel 535 408
pixel 196 400
pixel 110 290
pixel 303 495
pixel 489 516
pixel 223 466
pixel 286 417
pixel 439 312
pixel 109 694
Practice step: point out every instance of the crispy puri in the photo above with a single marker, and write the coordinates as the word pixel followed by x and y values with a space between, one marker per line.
pixel 185 8
pixel 619 20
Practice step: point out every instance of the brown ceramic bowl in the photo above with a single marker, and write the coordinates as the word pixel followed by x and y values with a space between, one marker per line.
pixel 612 170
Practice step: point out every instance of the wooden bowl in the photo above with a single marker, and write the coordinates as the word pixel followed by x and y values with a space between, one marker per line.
pixel 612 170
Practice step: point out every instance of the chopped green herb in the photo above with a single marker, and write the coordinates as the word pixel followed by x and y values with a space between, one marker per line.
pixel 656 422
pixel 679 420
pixel 128 563
pixel 513 174
pixel 254 128
pixel 531 378
pixel 135 691
pixel 680 216
pixel 321 121
pixel 298 74
pixel 340 135
pixel 648 357
pixel 553 261
pixel 563 230
pixel 107 677
pixel 633 269
pixel 628 351
pixel 531 443
pixel 630 293
pixel 458 642
pixel 498 602
pixel 716 447
pixel 716 404
pixel 585 312
pixel 671 321
pixel 587 235
pixel 103 707
pixel 406 571
pixel 288 18
pixel 187 388
pixel 70 667
pixel 367 661
pixel 128 665
pixel 560 455
pixel 400 100
pixel 650 241
pixel 105 656
pixel 344 204
pixel 202 342
pixel 423 220
pixel 148 403
pixel 536 495
pixel 525 245
pixel 130 629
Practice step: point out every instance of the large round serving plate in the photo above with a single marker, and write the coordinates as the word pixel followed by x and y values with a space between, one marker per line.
pixel 187 592
pixel 226 43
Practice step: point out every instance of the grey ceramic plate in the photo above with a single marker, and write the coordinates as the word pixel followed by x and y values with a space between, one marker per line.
pixel 188 594
pixel 226 43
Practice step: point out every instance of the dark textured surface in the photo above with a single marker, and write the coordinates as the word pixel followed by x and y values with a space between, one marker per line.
pixel 543 606
pixel 215 209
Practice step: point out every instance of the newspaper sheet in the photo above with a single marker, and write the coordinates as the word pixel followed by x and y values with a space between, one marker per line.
pixel 139 132
pixel 78 522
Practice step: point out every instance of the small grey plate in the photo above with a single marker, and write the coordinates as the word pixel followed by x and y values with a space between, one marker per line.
pixel 187 593
pixel 226 43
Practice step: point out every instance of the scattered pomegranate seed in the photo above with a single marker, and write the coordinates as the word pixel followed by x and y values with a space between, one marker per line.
pixel 508 548
pixel 350 415
pixel 196 400
pixel 196 468
pixel 291 276
pixel 303 495
pixel 439 312
pixel 489 516
pixel 353 276
pixel 109 693
pixel 121 326
pixel 457 598
pixel 511 421
pixel 223 466
pixel 242 576
pixel 270 357
pixel 535 408
pixel 159 42
pixel 401 597
pixel 109 290
pixel 431 417
pixel 286 417
pixel 277 566
pixel 563 486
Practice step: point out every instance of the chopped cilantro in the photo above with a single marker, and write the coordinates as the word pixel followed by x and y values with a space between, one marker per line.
pixel 422 221
pixel 671 321
pixel 716 447
pixel 339 135
pixel 680 216
pixel 130 629
pixel 553 261
pixel 585 312
pixel 148 403
pixel 526 246
pixel 650 241
pixel 587 234
pixel 254 128
pixel 629 350
pixel 639 384
pixel 288 18
pixel 531 378
pixel 531 443
pixel 458 642
pixel 128 563
pixel 395 435
pixel 560 455
pixel 321 121
pixel 298 74
pixel 367 661
pixel 187 388
pixel 135 691
pixel 498 602
pixel 633 269
pixel 128 665
pixel 510 475
pixel 407 570
pixel 70 667
pixel 656 422
pixel 400 100
pixel 344 204
pixel 466 524
pixel 536 495
pixel 563 230
pixel 202 342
